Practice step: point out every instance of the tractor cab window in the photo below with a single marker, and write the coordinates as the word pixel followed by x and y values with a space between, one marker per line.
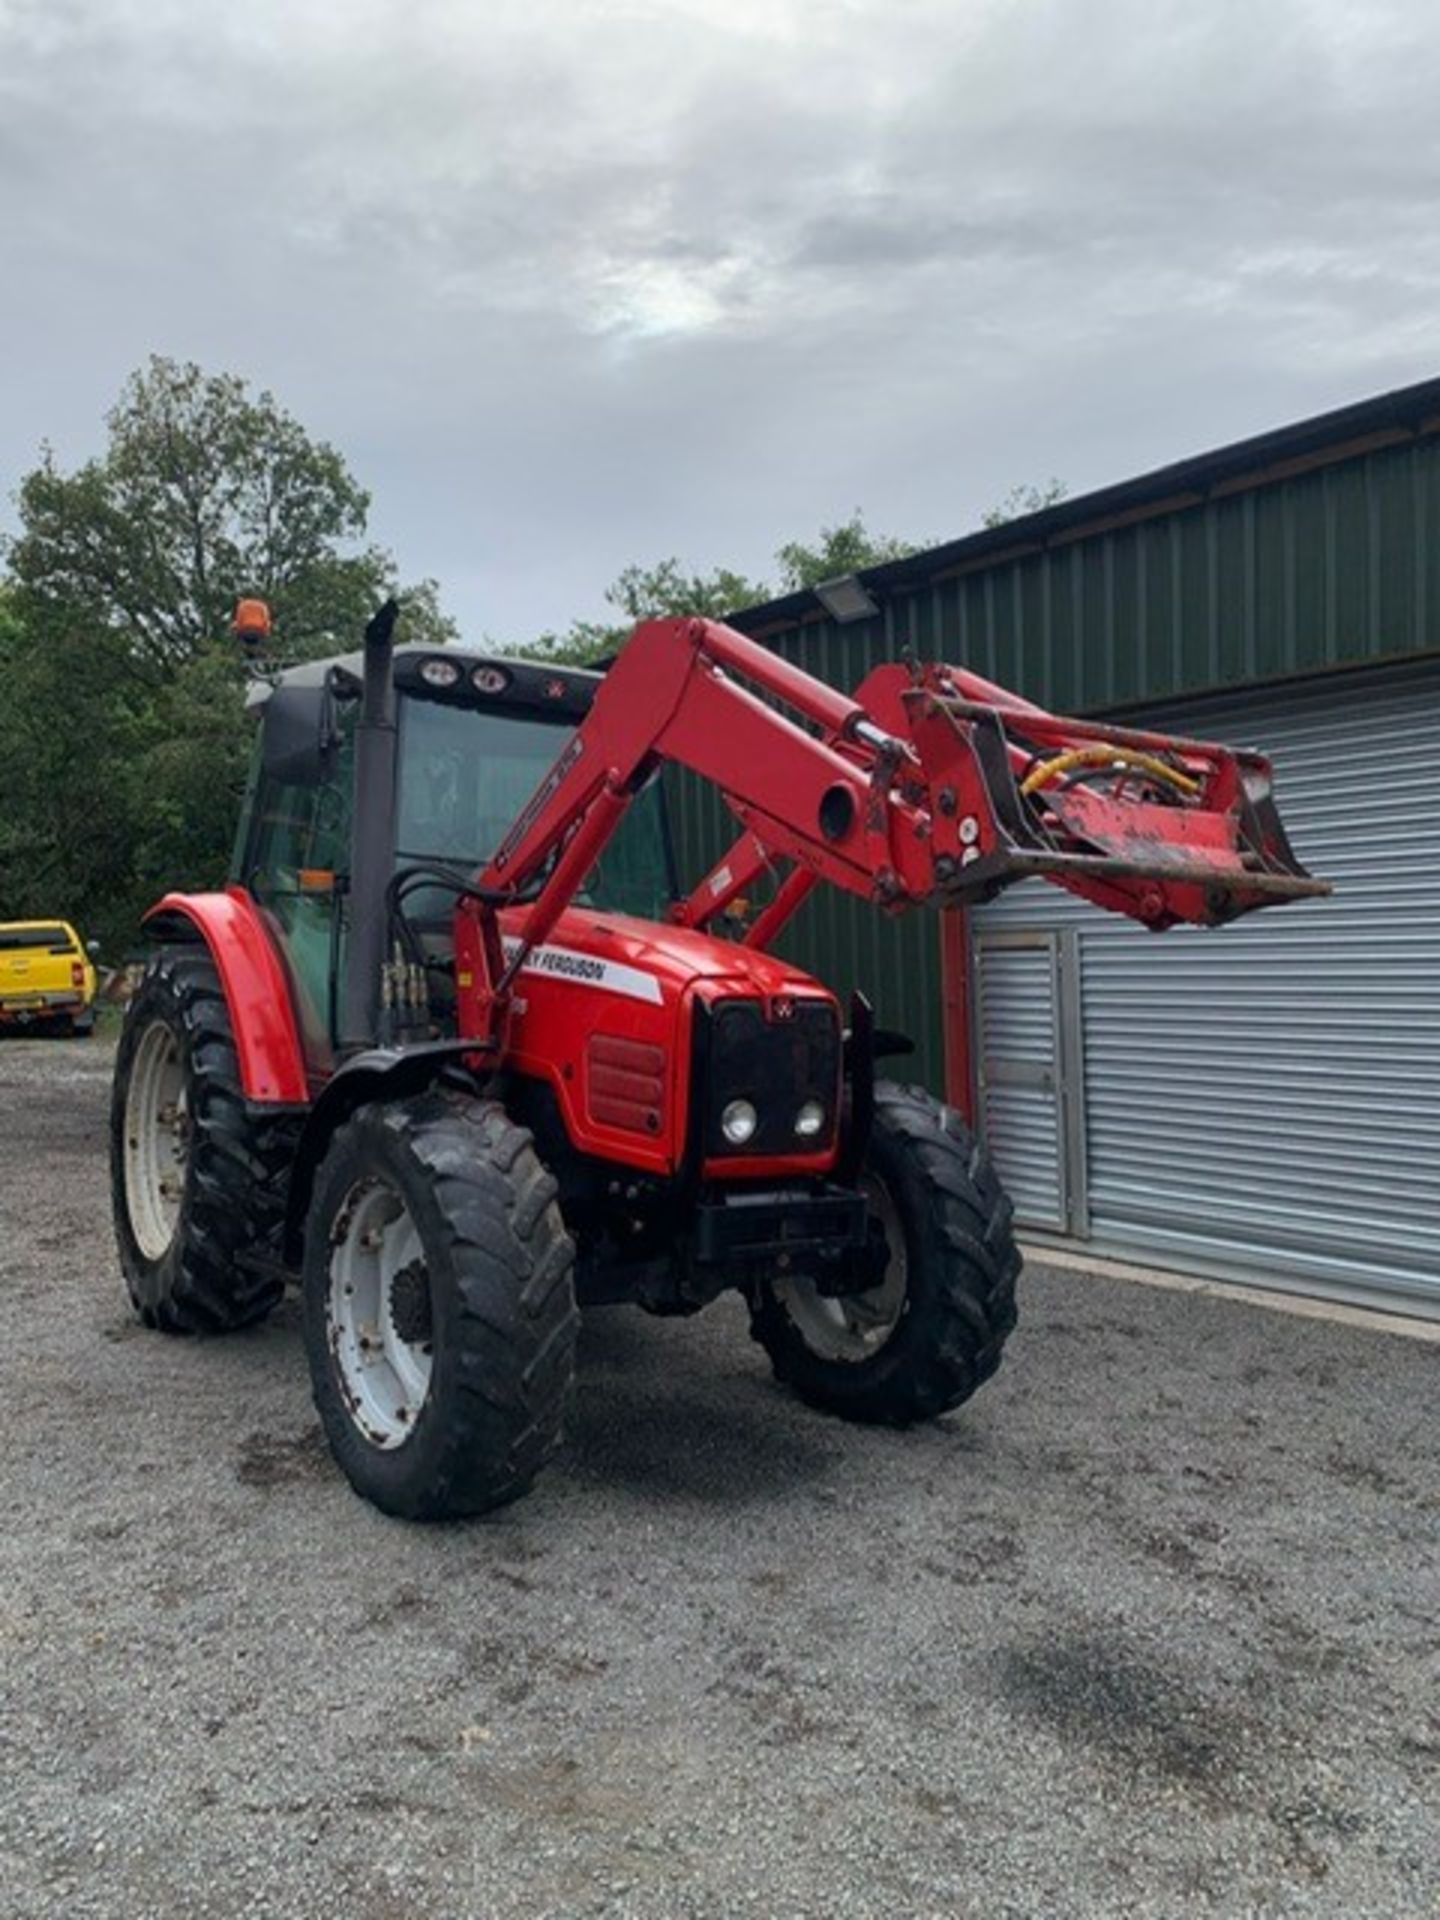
pixel 464 777
pixel 295 842
pixel 464 774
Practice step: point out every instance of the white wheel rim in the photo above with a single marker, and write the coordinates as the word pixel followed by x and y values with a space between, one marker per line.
pixel 157 1140
pixel 855 1326
pixel 384 1377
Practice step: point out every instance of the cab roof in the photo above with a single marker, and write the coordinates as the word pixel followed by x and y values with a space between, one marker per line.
pixel 579 683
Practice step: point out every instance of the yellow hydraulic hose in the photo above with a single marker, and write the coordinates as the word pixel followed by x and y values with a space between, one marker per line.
pixel 1101 755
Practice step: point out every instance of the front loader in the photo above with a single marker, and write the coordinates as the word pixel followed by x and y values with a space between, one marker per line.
pixel 458 1049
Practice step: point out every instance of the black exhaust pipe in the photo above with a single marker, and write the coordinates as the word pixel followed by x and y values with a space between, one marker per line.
pixel 372 832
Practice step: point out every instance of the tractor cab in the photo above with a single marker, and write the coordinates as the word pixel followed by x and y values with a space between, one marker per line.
pixel 473 739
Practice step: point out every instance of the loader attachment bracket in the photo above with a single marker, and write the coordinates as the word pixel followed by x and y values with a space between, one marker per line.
pixel 1164 829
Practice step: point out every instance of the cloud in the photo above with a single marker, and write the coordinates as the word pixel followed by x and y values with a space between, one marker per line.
pixel 574 284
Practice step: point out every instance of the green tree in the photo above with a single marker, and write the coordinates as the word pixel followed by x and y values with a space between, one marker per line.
pixel 846 548
pixel 71 722
pixel 1022 500
pixel 122 734
pixel 662 591
pixel 423 621
pixel 204 493
pixel 667 590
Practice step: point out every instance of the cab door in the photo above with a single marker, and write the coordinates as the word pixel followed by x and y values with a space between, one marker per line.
pixel 293 857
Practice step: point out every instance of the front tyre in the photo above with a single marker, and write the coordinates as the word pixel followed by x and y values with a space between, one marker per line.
pixel 932 1331
pixel 197 1180
pixel 440 1318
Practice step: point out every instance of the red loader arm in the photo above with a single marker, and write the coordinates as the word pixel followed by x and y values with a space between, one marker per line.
pixel 929 785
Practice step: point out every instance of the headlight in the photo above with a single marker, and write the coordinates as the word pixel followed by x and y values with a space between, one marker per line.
pixel 810 1120
pixel 738 1122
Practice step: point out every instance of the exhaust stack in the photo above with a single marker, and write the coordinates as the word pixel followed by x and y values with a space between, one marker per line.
pixel 372 833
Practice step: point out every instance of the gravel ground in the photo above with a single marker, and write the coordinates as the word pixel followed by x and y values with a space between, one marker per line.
pixel 1150 1628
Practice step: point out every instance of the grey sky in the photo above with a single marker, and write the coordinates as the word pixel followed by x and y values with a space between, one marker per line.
pixel 574 285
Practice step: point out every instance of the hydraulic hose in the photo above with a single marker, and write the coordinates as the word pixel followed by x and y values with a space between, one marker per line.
pixel 1101 755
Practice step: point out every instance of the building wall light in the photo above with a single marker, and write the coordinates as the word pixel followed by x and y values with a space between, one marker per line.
pixel 845 599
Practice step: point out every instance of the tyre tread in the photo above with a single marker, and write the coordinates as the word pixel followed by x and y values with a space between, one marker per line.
pixel 239 1165
pixel 969 1309
pixel 515 1324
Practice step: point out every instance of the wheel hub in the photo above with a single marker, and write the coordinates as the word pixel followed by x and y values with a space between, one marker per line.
pixel 410 1303
pixel 378 1313
pixel 854 1326
pixel 156 1139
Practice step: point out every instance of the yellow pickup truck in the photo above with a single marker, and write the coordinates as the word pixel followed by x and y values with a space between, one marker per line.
pixel 46 977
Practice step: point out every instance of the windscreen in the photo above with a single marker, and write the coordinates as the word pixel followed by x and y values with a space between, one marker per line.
pixel 465 774
pixel 17 939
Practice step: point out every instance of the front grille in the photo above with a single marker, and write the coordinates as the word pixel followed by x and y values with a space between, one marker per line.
pixel 776 1064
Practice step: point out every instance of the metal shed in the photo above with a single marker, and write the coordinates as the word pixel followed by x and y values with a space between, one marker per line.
pixel 1264 1102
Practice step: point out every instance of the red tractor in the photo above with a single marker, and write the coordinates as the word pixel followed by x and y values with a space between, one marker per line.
pixel 457 1049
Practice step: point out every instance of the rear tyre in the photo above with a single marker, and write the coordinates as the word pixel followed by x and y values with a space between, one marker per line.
pixel 440 1317
pixel 933 1330
pixel 197 1184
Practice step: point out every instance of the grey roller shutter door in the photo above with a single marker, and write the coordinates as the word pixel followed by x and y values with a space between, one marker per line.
pixel 1266 1098
pixel 1018 1005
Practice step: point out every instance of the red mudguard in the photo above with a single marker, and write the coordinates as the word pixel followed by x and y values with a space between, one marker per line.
pixel 257 991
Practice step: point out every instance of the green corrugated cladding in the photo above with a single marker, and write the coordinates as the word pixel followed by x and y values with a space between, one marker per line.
pixel 1329 568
